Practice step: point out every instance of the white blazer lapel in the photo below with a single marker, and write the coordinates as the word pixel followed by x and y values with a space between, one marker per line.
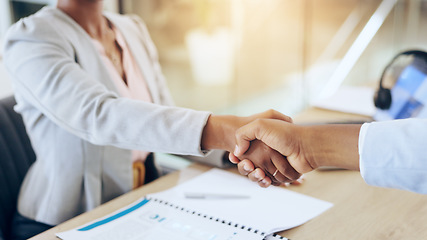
pixel 137 43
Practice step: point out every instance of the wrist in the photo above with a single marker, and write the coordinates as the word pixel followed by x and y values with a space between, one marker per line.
pixel 308 148
pixel 331 145
pixel 219 132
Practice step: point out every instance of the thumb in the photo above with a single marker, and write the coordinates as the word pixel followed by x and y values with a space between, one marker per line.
pixel 246 134
pixel 270 131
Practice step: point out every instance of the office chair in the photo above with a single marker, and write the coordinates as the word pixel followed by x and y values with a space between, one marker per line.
pixel 16 156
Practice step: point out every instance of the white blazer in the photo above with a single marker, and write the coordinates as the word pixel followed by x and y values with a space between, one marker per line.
pixel 80 128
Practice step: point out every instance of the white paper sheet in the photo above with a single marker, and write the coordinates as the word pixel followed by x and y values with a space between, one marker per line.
pixel 154 220
pixel 269 210
pixel 169 215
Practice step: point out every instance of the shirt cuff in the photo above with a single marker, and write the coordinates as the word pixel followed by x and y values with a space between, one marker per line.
pixel 362 136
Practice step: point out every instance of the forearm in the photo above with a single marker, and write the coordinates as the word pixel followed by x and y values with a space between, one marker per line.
pixel 331 145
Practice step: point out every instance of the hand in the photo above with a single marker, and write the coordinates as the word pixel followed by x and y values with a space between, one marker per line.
pixel 262 155
pixel 246 167
pixel 305 147
pixel 279 135
pixel 219 132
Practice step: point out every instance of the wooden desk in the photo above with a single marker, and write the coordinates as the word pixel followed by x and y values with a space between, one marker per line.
pixel 360 211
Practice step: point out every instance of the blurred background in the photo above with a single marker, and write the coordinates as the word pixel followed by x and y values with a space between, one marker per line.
pixel 246 56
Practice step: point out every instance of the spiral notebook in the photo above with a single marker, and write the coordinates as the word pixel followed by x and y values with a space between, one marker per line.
pixel 170 214
pixel 154 219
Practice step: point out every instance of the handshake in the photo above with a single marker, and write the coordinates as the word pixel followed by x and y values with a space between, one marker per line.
pixel 270 149
pixel 265 146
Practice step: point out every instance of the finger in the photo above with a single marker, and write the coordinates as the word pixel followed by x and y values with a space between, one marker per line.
pixel 233 159
pixel 242 145
pixel 245 167
pixel 279 178
pixel 273 171
pixel 265 130
pixel 266 182
pixel 296 183
pixel 299 181
pixel 257 175
pixel 262 154
pixel 245 135
pixel 285 168
pixel 273 114
pixel 276 183
pixel 279 116
pixel 276 176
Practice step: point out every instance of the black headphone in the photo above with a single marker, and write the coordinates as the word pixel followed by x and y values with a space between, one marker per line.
pixel 382 98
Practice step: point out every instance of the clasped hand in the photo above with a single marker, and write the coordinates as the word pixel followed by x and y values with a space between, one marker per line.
pixel 285 160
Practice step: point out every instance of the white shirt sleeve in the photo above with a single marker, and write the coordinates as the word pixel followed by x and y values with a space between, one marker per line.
pixel 393 154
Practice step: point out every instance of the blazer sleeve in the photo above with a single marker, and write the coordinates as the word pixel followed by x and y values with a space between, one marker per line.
pixel 393 154
pixel 42 64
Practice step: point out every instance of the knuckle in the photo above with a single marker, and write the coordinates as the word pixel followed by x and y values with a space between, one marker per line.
pixel 258 121
pixel 241 171
pixel 253 179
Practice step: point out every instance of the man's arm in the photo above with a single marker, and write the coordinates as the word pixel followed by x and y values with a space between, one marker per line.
pixel 305 147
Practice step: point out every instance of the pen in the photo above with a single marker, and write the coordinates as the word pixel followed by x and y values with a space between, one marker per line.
pixel 214 196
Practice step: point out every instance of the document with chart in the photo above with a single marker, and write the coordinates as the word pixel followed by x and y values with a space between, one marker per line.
pixel 217 205
pixel 152 219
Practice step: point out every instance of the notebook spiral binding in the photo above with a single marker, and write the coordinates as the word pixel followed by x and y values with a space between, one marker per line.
pixel 277 237
pixel 236 225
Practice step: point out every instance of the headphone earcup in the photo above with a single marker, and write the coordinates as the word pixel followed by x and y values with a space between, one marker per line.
pixel 382 98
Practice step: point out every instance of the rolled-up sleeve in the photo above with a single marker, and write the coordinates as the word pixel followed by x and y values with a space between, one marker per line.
pixel 393 154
